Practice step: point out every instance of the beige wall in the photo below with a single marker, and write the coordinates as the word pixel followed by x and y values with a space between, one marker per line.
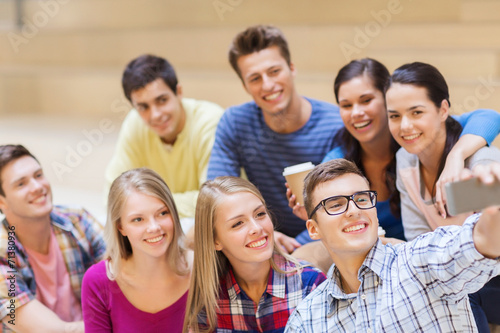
pixel 70 55
pixel 60 75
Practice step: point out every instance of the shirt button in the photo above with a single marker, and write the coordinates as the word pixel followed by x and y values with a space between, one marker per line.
pixel 369 330
pixel 363 296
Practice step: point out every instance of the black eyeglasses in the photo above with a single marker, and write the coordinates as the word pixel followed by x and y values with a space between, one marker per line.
pixel 340 203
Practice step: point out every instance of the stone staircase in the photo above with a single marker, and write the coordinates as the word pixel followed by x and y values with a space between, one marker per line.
pixel 65 64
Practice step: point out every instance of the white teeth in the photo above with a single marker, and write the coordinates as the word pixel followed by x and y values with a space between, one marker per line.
pixel 39 199
pixel 361 125
pixel 154 240
pixel 355 228
pixel 411 137
pixel 272 97
pixel 257 244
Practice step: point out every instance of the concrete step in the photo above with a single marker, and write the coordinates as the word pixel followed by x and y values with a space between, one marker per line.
pixel 480 11
pixel 97 92
pixel 127 14
pixel 464 49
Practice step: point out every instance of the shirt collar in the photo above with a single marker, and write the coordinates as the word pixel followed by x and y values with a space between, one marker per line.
pixel 60 222
pixel 374 261
pixel 275 283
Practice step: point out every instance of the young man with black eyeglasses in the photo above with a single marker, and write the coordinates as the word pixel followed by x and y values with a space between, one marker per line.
pixel 418 286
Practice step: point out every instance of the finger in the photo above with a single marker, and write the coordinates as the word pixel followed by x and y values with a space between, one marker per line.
pixel 484 173
pixel 292 202
pixel 439 202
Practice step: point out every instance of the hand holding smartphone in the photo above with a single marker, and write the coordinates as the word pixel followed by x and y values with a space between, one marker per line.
pixel 471 195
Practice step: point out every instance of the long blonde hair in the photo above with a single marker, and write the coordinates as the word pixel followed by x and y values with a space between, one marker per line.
pixel 211 265
pixel 148 182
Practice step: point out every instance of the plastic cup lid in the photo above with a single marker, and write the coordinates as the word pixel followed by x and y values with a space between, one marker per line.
pixel 298 168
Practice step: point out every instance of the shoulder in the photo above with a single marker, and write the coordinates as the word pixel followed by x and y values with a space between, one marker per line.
pixel 96 275
pixel 405 159
pixel 316 297
pixel 483 155
pixel 248 109
pixel 75 216
pixel 133 121
pixel 337 152
pixel 7 234
pixel 322 106
pixel 203 112
pixel 201 107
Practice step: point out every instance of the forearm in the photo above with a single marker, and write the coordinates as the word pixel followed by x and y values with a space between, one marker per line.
pixel 36 317
pixel 467 145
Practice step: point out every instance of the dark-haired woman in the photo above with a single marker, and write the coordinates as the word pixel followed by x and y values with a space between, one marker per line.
pixel 418 109
pixel 366 140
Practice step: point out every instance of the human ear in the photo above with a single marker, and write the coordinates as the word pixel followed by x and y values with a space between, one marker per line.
pixel 312 227
pixel 3 203
pixel 178 90
pixel 120 229
pixel 218 245
pixel 444 110
pixel 293 69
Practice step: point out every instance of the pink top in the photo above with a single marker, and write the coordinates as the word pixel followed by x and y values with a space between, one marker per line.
pixel 106 309
pixel 52 282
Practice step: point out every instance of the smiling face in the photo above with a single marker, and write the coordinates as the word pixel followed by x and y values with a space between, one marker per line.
pixel 352 233
pixel 160 109
pixel 414 120
pixel 243 229
pixel 269 80
pixel 27 192
pixel 362 108
pixel 148 225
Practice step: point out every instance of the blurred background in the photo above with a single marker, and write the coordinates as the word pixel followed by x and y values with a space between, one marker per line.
pixel 61 62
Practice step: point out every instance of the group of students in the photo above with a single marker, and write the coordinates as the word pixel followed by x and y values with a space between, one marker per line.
pixel 232 271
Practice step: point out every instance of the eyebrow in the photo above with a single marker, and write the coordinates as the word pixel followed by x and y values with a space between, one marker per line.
pixel 140 214
pixel 241 215
pixel 409 109
pixel 17 180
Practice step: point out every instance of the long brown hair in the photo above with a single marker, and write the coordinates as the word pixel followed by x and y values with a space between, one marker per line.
pixel 210 265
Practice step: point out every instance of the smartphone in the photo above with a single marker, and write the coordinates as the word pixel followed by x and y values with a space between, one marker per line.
pixel 471 195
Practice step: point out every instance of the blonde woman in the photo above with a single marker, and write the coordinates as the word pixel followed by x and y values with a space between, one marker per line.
pixel 142 285
pixel 242 281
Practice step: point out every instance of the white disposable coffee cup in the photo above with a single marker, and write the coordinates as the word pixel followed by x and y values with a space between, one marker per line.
pixel 294 176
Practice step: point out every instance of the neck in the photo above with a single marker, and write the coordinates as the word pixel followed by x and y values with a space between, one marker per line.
pixel 253 280
pixel 378 149
pixel 147 269
pixel 33 234
pixel 349 275
pixel 291 119
pixel 429 163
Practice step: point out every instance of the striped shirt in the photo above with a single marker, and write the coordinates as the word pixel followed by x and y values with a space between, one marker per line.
pixel 79 237
pixel 243 140
pixel 238 313
pixel 419 286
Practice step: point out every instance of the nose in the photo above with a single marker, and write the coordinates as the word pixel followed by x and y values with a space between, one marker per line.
pixel 357 110
pixel 255 227
pixel 153 225
pixel 406 123
pixel 267 83
pixel 155 112
pixel 352 209
pixel 36 185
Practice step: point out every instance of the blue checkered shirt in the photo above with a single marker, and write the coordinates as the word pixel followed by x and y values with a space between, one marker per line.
pixel 419 286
